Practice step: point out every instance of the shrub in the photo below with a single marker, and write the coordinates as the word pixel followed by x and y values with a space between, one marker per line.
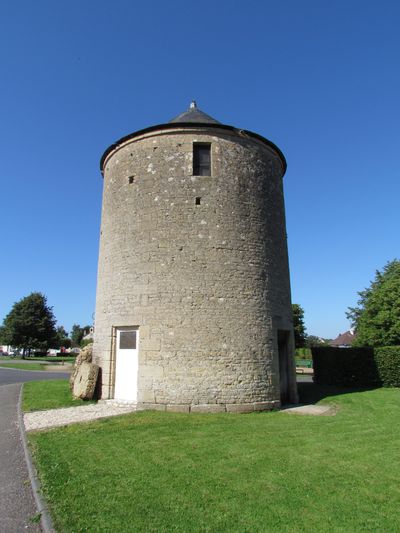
pixel 357 367
pixel 39 353
pixel 349 367
pixel 388 363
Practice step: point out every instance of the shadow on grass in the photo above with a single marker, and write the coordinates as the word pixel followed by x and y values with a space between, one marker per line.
pixel 310 392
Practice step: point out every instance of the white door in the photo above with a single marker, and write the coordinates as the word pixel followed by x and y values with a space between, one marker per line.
pixel 127 364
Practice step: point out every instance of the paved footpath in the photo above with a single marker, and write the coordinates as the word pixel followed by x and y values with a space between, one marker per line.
pixel 17 506
pixel 70 415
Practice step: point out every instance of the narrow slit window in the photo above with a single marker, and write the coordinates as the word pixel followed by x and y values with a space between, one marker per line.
pixel 198 200
pixel 201 159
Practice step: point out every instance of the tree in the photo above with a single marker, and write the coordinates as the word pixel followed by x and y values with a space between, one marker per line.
pixel 62 338
pixel 376 318
pixel 312 341
pixel 30 324
pixel 76 334
pixel 300 335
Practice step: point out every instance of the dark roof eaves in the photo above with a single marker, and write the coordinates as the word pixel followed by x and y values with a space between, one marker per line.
pixel 174 125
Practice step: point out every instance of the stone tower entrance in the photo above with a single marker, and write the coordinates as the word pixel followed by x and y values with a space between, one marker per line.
pixel 284 365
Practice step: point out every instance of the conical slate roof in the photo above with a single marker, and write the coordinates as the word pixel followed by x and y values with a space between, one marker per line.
pixel 193 114
pixel 187 120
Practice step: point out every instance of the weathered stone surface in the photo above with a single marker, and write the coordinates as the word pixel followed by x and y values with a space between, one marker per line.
pixel 313 410
pixel 151 406
pixel 178 408
pixel 85 381
pixel 240 408
pixel 207 284
pixel 208 408
pixel 266 406
pixel 84 356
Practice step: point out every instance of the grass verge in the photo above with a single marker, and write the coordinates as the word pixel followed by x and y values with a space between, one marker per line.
pixel 51 394
pixel 273 472
pixel 56 360
pixel 23 366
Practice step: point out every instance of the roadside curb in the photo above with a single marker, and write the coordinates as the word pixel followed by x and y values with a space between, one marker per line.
pixel 45 519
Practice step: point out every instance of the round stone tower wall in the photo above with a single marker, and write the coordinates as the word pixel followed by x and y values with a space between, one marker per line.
pixel 199 265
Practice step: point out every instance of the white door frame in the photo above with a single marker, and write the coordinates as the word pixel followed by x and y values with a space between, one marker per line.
pixel 126 363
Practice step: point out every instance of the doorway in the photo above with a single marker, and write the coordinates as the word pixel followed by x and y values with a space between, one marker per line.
pixel 283 350
pixel 126 364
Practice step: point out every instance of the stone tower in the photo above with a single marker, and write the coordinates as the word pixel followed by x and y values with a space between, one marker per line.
pixel 193 309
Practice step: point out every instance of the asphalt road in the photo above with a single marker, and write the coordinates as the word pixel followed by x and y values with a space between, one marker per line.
pixel 13 375
pixel 17 506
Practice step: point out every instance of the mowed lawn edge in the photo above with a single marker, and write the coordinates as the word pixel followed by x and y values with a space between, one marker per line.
pixel 153 471
pixel 49 394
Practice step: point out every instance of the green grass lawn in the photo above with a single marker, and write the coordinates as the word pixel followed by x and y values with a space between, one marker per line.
pixel 56 360
pixel 23 366
pixel 51 394
pixel 260 472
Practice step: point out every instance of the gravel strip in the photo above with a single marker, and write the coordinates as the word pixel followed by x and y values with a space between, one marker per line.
pixel 71 415
pixel 314 410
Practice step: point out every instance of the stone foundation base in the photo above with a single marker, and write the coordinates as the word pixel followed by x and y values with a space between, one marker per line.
pixel 212 408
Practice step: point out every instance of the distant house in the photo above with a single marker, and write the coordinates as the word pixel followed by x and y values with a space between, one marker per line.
pixel 344 340
pixel 88 335
pixel 5 349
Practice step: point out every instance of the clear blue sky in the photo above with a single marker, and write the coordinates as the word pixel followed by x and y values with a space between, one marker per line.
pixel 320 79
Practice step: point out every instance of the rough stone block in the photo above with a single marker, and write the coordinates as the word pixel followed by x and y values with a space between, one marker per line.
pixel 178 408
pixel 266 406
pixel 239 407
pixel 85 381
pixel 208 408
pixel 152 345
pixel 151 371
pixel 152 406
pixel 147 396
pixel 84 356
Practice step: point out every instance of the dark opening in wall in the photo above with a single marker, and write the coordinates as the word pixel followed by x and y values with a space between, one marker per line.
pixel 283 352
pixel 131 179
pixel 201 159
pixel 198 200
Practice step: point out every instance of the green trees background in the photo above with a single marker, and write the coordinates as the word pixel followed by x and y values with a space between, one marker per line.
pixel 300 335
pixel 376 318
pixel 30 324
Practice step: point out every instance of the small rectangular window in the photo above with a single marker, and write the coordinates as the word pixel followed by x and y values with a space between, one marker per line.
pixel 127 340
pixel 201 159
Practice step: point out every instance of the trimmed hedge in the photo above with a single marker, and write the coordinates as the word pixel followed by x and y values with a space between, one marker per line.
pixel 357 367
pixel 388 363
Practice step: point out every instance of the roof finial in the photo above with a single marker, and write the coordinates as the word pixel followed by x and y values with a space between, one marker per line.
pixel 193 115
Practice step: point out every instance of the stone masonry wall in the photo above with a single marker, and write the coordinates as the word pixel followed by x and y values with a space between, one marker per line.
pixel 207 285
